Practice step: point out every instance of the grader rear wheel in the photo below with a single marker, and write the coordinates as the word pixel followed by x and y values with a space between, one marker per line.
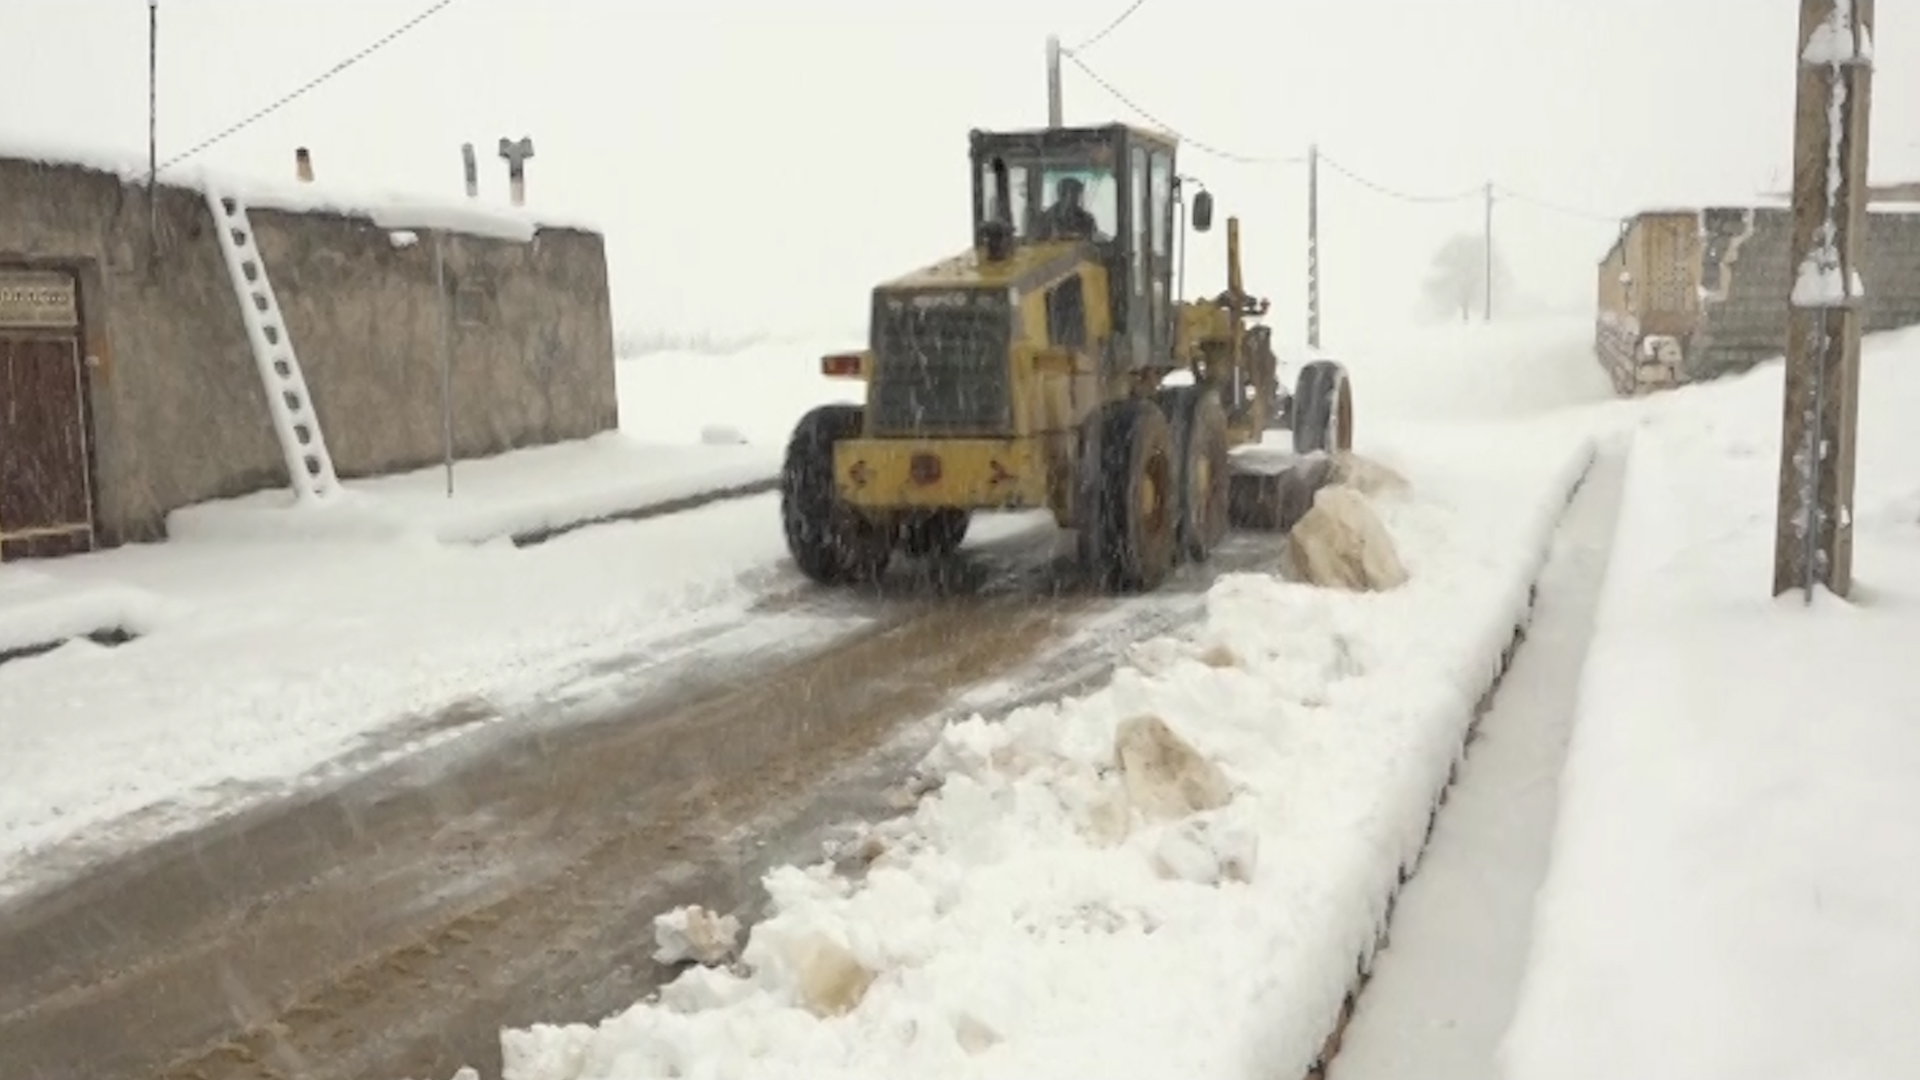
pixel 1128 531
pixel 1322 412
pixel 831 542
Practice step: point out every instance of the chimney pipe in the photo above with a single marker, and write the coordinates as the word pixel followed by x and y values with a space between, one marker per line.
pixel 303 165
pixel 472 167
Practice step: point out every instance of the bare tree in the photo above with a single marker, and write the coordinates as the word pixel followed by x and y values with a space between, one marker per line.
pixel 1457 282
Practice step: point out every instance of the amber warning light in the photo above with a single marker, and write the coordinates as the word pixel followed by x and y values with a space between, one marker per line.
pixel 843 366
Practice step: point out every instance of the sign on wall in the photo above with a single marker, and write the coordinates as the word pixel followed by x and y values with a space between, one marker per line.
pixel 38 300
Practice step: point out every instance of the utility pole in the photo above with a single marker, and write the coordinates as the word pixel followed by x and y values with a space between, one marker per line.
pixel 153 127
pixel 1813 527
pixel 1486 312
pixel 1313 246
pixel 1055 110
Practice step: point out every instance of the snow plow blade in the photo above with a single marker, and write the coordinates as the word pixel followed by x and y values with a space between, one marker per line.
pixel 1269 492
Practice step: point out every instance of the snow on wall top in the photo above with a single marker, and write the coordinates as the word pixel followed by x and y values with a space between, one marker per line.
pixel 386 209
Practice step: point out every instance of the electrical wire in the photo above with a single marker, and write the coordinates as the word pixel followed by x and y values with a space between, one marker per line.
pixel 1477 192
pixel 1112 26
pixel 1508 194
pixel 1205 148
pixel 253 118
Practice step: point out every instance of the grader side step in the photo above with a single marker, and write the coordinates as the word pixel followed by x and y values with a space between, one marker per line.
pixel 1269 492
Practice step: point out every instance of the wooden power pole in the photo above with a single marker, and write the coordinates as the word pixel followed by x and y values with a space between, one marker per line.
pixel 1813 530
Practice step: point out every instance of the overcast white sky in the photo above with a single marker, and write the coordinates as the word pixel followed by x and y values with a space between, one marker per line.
pixel 760 164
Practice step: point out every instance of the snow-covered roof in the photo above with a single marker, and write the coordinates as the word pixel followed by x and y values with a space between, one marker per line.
pixel 385 208
pixel 1720 200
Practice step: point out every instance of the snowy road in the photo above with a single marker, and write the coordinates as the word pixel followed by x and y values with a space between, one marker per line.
pixel 1443 991
pixel 510 875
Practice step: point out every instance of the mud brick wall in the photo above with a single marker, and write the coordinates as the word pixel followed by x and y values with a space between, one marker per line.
pixel 179 412
pixel 1749 325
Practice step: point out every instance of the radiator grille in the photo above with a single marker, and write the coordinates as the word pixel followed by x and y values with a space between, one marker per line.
pixel 940 364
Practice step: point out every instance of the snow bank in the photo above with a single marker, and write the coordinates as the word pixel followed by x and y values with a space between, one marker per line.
pixel 37 610
pixel 1733 885
pixel 518 493
pixel 1031 918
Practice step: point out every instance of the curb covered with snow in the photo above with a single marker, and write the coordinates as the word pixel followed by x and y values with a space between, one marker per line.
pixel 38 612
pixel 1031 908
pixel 1331 1048
pixel 525 496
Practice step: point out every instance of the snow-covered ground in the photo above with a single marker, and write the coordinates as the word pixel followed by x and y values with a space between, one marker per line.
pixel 1732 889
pixel 267 654
pixel 1044 914
pixel 1039 915
pixel 515 494
pixel 273 640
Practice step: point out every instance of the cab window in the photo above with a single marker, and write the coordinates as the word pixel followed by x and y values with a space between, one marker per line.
pixel 1078 199
pixel 1016 192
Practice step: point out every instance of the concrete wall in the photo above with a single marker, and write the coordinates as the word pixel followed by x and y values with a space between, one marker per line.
pixel 1732 267
pixel 1747 324
pixel 179 412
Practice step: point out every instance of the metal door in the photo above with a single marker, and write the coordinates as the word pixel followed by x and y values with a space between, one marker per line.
pixel 46 496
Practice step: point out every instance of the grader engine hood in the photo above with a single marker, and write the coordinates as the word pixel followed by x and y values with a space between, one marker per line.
pixel 940 363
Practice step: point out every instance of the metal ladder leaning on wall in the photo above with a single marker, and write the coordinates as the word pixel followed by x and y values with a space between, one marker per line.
pixel 309 466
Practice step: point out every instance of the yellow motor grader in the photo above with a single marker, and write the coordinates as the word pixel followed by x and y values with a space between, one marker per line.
pixel 1054 365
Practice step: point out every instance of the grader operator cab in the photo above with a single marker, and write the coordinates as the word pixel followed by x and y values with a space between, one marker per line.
pixel 1035 370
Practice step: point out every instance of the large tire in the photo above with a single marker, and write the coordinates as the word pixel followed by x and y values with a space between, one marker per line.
pixel 1199 422
pixel 1129 535
pixel 1322 409
pixel 830 541
pixel 933 532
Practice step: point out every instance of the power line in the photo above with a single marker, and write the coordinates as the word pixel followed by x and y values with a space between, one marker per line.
pixel 1215 151
pixel 387 39
pixel 1112 26
pixel 1556 207
pixel 1478 191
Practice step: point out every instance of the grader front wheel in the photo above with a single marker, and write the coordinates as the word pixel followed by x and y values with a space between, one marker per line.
pixel 1199 421
pixel 1129 531
pixel 831 542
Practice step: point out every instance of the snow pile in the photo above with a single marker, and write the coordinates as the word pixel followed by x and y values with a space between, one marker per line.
pixel 37 610
pixel 694 934
pixel 1733 885
pixel 1171 877
pixel 1339 543
pixel 517 493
